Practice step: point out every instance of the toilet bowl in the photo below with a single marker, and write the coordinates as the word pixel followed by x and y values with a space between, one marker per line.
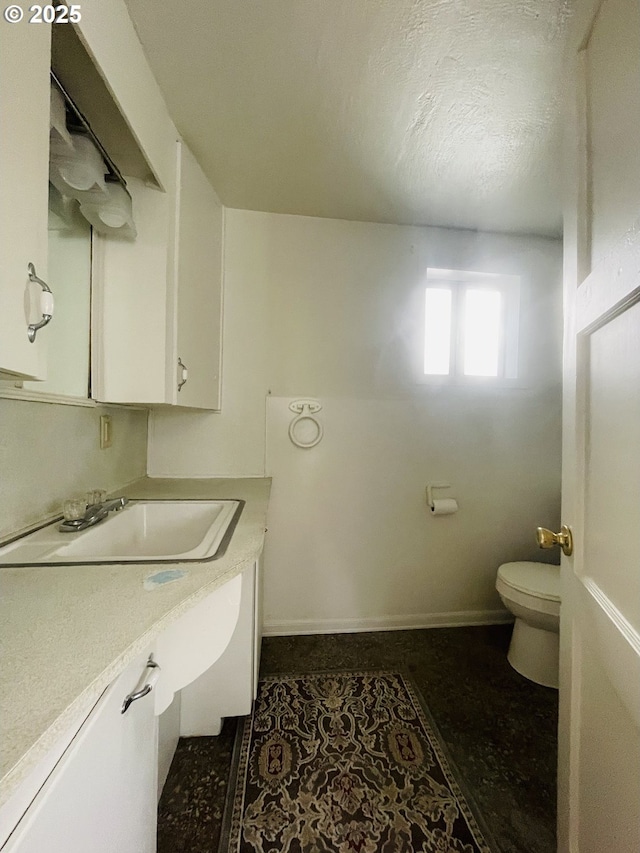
pixel 531 591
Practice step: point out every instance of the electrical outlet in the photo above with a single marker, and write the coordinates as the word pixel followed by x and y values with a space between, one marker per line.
pixel 106 431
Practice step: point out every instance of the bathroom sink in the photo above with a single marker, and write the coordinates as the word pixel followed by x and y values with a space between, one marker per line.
pixel 153 531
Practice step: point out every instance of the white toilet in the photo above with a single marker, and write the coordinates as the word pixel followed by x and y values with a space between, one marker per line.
pixel 531 591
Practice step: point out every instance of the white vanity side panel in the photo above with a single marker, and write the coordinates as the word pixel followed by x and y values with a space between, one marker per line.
pixel 193 643
pixel 227 688
pixel 168 736
pixel 257 639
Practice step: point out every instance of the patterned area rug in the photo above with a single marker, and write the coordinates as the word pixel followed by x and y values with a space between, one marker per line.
pixel 345 763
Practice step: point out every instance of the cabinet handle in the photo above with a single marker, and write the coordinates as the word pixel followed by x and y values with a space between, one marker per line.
pixel 184 374
pixel 146 688
pixel 46 304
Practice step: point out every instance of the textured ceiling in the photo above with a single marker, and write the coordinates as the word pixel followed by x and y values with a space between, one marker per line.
pixel 438 112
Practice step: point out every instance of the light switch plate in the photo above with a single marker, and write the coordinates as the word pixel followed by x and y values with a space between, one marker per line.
pixel 105 431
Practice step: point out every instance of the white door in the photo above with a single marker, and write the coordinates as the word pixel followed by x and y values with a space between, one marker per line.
pixel 101 796
pixel 599 733
pixel 25 52
pixel 198 264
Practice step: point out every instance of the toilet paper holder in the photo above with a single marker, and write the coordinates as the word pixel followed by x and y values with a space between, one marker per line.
pixel 431 487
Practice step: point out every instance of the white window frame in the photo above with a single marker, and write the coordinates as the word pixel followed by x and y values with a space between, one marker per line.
pixel 458 282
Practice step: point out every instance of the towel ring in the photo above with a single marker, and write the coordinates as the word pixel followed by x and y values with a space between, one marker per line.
pixel 305 414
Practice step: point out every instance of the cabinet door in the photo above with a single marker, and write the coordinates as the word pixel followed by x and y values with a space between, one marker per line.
pixel 130 296
pixel 109 37
pixel 25 52
pixel 198 264
pixel 101 797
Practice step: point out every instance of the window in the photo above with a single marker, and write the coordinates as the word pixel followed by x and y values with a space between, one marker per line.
pixel 471 325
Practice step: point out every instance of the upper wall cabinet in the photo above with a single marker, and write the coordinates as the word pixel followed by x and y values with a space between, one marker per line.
pixel 156 319
pixel 132 289
pixel 24 155
pixel 111 42
pixel 198 270
pixel 158 300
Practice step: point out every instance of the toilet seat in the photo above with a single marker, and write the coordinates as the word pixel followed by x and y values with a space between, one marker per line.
pixel 539 580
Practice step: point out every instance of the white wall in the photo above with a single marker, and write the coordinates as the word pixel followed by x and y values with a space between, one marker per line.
pixel 332 309
pixel 49 452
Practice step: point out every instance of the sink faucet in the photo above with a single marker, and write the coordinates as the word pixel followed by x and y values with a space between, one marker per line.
pixel 94 514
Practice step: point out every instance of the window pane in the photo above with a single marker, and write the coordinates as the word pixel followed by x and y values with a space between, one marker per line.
pixel 437 331
pixel 481 332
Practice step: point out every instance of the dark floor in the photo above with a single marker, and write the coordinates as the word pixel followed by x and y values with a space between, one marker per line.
pixel 500 730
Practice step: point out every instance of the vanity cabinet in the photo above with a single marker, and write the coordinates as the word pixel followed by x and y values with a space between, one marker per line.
pixel 101 796
pixel 24 157
pixel 98 792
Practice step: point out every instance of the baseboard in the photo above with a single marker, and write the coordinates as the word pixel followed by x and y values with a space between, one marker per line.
pixel 453 619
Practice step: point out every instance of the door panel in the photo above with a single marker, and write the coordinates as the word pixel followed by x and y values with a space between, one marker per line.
pixel 601 593
pixel 599 731
pixel 617 642
pixel 612 468
pixel 608 810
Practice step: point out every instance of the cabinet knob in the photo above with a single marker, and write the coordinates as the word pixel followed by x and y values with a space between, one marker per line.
pixel 46 304
pixel 183 372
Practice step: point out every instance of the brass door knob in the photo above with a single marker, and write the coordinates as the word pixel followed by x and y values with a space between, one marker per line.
pixel 548 539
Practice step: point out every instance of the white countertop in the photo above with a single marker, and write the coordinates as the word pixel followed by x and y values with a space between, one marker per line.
pixel 68 631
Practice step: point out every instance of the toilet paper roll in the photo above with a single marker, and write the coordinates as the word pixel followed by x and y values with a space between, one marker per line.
pixel 444 506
